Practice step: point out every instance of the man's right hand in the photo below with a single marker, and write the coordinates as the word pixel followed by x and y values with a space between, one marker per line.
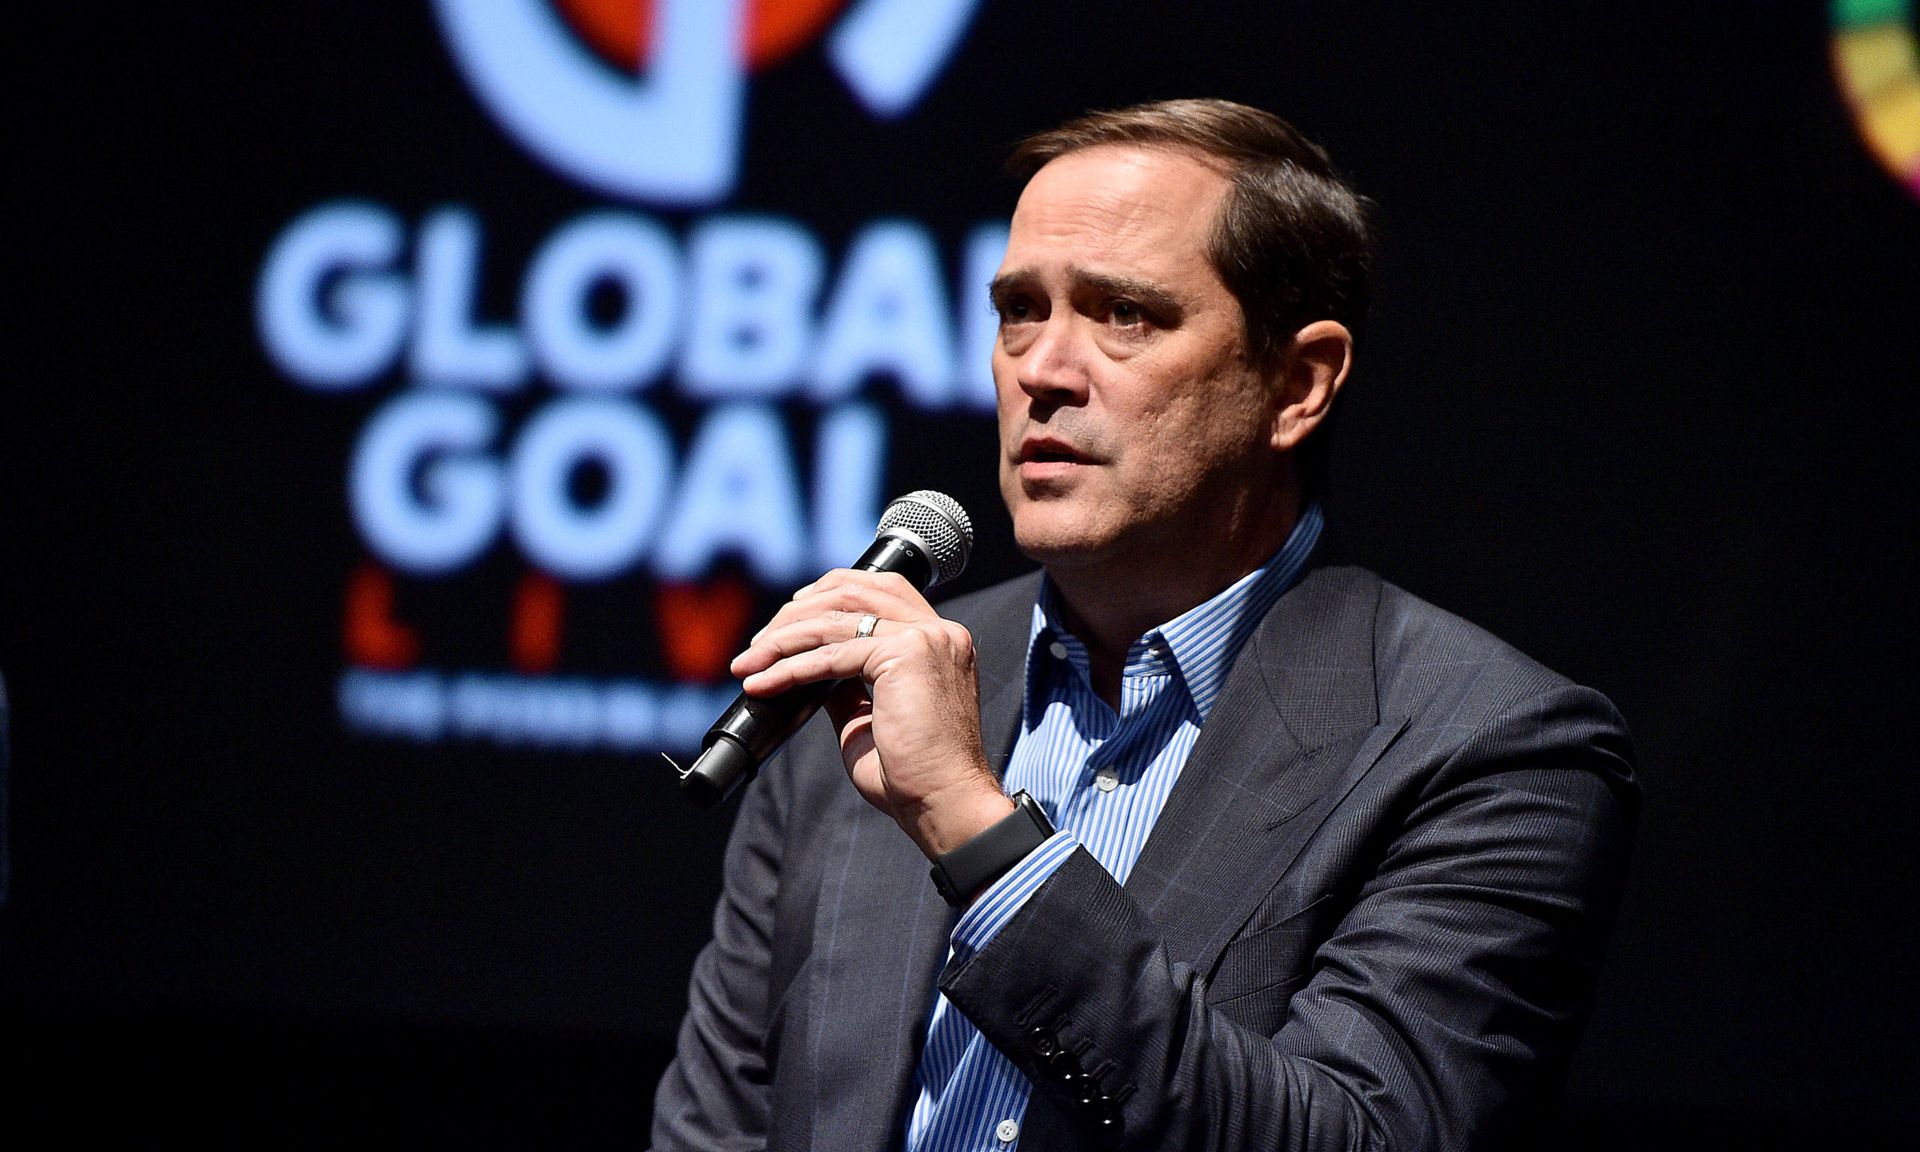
pixel 911 741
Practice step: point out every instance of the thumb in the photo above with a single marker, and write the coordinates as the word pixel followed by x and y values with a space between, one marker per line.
pixel 849 709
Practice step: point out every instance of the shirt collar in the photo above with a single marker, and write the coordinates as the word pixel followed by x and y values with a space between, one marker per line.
pixel 1201 642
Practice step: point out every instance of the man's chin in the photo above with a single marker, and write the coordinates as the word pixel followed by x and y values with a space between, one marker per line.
pixel 1061 547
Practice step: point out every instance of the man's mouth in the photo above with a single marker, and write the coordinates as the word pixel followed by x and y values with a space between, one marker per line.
pixel 1049 452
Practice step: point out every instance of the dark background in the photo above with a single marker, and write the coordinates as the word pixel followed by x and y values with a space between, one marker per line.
pixel 1635 398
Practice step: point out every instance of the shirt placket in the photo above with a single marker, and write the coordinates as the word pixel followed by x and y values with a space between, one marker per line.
pixel 1101 801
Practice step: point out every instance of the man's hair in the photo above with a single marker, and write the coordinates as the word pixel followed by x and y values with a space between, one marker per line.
pixel 1292 241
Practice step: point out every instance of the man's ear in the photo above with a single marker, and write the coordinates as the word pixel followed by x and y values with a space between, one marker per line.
pixel 1311 372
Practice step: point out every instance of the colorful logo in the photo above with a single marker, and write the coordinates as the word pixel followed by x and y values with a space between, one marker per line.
pixel 672 421
pixel 645 99
pixel 1878 64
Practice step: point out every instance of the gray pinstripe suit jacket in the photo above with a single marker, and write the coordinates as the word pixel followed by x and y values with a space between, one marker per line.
pixel 1369 916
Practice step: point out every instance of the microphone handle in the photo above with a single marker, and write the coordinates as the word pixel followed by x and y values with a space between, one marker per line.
pixel 752 729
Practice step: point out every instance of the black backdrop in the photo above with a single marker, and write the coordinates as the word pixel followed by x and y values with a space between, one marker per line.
pixel 1634 397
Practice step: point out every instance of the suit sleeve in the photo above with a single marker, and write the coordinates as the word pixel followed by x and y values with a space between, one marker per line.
pixel 716 1093
pixel 1438 1014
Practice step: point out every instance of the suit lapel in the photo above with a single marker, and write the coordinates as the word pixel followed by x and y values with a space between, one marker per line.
pixel 883 928
pixel 1295 727
pixel 1000 637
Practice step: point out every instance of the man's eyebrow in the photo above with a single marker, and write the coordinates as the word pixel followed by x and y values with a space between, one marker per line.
pixel 1006 284
pixel 1158 302
pixel 1155 299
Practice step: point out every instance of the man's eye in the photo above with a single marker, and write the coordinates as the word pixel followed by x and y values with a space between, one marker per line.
pixel 1126 313
pixel 1015 312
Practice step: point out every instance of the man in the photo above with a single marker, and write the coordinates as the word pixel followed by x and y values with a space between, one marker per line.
pixel 1241 851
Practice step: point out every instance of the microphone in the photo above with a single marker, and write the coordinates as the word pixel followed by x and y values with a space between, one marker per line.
pixel 924 536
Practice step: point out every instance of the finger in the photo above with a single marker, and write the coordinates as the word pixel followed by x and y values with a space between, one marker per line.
pixel 848 706
pixel 829 662
pixel 850 601
pixel 857 598
pixel 852 715
pixel 778 641
pixel 885 594
pixel 891 583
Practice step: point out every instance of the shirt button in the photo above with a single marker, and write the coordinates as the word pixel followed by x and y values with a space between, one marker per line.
pixel 1105 780
pixel 1008 1131
pixel 1058 649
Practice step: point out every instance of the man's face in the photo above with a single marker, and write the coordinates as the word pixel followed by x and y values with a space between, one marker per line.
pixel 1133 431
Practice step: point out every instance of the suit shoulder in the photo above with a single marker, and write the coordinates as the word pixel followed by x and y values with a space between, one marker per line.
pixel 1431 662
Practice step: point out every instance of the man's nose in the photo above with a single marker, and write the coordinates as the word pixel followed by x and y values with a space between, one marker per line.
pixel 1053 369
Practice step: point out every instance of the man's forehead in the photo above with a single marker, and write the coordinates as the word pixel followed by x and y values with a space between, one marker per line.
pixel 1127 181
pixel 1112 205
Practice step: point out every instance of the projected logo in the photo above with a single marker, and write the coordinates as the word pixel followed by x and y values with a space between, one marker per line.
pixel 651 105
pixel 674 423
pixel 1878 65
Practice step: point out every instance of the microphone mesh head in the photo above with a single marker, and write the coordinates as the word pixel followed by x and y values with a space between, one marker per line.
pixel 936 520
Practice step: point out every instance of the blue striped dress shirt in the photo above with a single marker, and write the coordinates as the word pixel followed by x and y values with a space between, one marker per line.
pixel 1102 779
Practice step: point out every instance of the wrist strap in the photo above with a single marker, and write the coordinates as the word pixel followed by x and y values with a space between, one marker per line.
pixel 961 873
